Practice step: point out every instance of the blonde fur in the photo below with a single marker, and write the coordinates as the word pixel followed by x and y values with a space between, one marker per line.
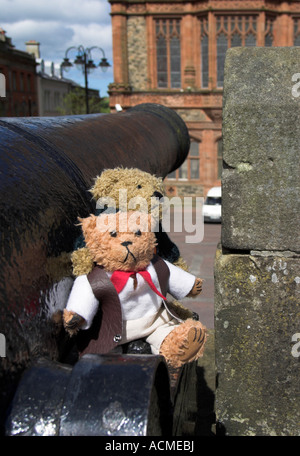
pixel 124 241
pixel 106 237
pixel 185 343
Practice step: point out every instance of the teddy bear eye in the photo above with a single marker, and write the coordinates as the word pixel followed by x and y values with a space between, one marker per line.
pixel 139 186
pixel 138 233
pixel 113 234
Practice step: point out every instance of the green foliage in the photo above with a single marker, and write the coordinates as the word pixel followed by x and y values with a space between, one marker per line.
pixel 74 103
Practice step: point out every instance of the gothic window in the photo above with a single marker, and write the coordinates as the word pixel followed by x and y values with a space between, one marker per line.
pixel 183 170
pixel 233 31
pixel 168 59
pixel 269 31
pixel 204 52
pixel 190 169
pixel 194 161
pixel 297 31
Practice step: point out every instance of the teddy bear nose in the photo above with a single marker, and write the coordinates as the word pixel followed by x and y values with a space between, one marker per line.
pixel 157 194
pixel 126 243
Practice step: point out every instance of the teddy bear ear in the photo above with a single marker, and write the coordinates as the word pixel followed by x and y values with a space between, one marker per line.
pixel 104 183
pixel 88 223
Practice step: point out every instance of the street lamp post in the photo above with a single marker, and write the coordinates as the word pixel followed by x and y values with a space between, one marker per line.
pixel 84 61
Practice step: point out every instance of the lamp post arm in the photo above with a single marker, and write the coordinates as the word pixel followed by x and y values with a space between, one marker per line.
pixel 72 47
pixel 96 47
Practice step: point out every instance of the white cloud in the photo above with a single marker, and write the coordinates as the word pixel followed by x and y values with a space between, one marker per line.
pixel 93 35
pixel 84 11
pixel 59 24
pixel 51 35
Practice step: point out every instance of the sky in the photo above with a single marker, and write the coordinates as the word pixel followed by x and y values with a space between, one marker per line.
pixel 58 25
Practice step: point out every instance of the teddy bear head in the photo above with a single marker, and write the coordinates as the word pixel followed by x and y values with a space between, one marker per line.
pixel 121 240
pixel 125 186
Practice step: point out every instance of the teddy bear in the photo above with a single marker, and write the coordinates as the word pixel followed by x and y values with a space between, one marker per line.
pixel 120 186
pixel 123 298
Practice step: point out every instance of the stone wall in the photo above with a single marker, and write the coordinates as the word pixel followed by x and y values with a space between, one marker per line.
pixel 137 52
pixel 257 267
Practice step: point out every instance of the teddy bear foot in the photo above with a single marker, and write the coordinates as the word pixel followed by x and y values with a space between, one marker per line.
pixel 185 343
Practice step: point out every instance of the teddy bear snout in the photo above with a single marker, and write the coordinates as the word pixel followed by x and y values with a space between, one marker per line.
pixel 126 243
pixel 158 195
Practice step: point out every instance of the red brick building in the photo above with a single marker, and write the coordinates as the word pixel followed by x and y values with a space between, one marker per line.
pixel 172 53
pixel 19 70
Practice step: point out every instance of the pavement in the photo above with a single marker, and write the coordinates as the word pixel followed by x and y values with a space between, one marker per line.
pixel 201 386
pixel 200 258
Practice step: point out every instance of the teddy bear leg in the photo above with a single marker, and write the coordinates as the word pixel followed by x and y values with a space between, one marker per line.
pixel 185 343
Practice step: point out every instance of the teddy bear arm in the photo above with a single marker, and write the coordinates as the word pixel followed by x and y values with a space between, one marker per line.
pixel 182 283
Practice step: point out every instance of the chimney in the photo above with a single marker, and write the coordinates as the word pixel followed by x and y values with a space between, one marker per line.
pixel 33 47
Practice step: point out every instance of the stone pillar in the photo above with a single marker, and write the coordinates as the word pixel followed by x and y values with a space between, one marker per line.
pixel 257 267
pixel 120 54
pixel 188 52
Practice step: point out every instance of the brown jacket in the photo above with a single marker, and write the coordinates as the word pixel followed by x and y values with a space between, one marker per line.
pixel 106 330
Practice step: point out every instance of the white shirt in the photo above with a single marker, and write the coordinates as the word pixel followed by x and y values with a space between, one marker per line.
pixel 135 303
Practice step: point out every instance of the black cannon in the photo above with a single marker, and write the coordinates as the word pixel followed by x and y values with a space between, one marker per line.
pixel 47 166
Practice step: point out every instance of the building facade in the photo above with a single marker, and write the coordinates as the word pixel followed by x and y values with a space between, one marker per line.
pixel 173 53
pixel 19 70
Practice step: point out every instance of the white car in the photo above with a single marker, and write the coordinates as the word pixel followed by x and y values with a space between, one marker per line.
pixel 212 208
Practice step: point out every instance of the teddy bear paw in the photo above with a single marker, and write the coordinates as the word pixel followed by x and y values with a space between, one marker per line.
pixel 185 343
pixel 191 348
pixel 72 322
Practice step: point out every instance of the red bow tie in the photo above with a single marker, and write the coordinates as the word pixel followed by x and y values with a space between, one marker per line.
pixel 119 279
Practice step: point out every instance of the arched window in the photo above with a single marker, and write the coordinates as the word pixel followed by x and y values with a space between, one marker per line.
pixel 297 31
pixel 194 160
pixel 168 58
pixel 269 31
pixel 190 169
pixel 233 31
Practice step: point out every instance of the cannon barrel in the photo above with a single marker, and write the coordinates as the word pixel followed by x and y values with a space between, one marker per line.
pixel 47 166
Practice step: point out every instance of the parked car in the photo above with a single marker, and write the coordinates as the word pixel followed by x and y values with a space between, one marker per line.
pixel 212 207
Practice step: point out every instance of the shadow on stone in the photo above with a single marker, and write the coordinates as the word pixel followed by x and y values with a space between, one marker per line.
pixel 205 419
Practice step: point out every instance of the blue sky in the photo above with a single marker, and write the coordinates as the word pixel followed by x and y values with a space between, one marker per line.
pixel 59 24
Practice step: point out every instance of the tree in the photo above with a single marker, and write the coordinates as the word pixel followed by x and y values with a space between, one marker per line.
pixel 74 103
